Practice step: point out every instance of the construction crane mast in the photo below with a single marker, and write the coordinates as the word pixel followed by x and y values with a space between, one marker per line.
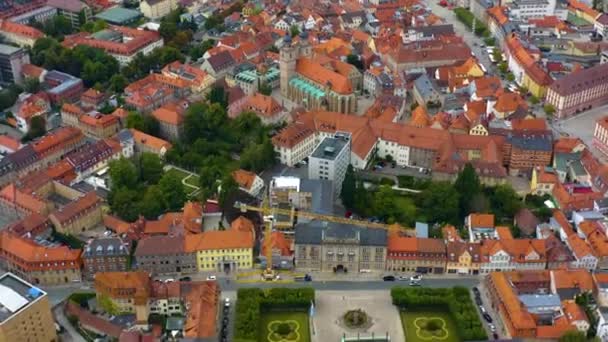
pixel 269 213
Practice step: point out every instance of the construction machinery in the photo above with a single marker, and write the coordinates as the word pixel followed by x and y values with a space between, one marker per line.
pixel 269 214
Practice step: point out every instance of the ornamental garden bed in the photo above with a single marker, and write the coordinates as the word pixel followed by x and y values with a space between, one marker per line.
pixel 273 315
pixel 446 314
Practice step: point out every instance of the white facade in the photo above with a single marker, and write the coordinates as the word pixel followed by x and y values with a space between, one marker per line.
pixel 330 159
pixel 500 261
pixel 532 9
pixel 602 324
pixel 146 50
pixel 297 153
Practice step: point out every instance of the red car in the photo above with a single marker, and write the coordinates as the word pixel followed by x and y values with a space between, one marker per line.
pixel 443 3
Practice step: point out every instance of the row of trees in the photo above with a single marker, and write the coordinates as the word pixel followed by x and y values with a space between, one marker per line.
pixel 467 18
pixel 456 300
pixel 251 303
pixel 143 188
pixel 438 202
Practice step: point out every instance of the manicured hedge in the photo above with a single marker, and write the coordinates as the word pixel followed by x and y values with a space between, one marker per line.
pixel 457 300
pixel 411 182
pixel 252 302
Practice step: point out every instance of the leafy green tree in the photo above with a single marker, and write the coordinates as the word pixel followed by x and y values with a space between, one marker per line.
pixel 173 192
pixel 549 109
pixel 467 185
pixel 228 189
pixel 265 89
pixel 123 202
pixel 118 82
pixel 440 203
pixel 573 336
pixel 534 100
pixel 355 60
pixel 31 85
pixel 37 128
pixel 8 96
pixel 167 30
pixel 294 30
pixel 505 202
pixel 349 188
pixel 218 95
pixel 94 26
pixel 391 208
pixel 151 168
pixel 480 204
pixel 503 67
pixel 510 77
pixel 108 305
pixel 151 206
pixel 208 176
pixel 123 174
pixel 136 121
pixel 497 54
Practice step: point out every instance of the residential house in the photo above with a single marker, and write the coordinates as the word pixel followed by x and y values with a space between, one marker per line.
pixel 582 252
pixel 199 81
pixel 148 143
pixel 171 120
pixel 512 254
pixel 219 64
pixel 19 34
pixel 426 93
pixel 77 12
pixel 480 226
pixel 154 91
pixel 600 290
pixel 570 283
pixel 164 255
pixel 411 254
pixel 105 255
pixel 248 182
pixel 128 292
pixel 266 108
pixel 223 250
pixel 463 257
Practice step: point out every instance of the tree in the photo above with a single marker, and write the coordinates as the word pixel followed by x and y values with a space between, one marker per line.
pixel 94 26
pixel 505 201
pixel 534 100
pixel 265 89
pixel 294 30
pixel 549 109
pixel 108 305
pixel 440 203
pixel 118 83
pixel 151 206
pixel 37 128
pixel 573 336
pixel 355 60
pixel 497 56
pixel 467 185
pixel 136 121
pixel 123 174
pixel 228 189
pixel 217 95
pixel 123 202
pixel 173 192
pixel 503 67
pixel 349 187
pixel 510 77
pixel 8 96
pixel 31 85
pixel 151 168
pixel 392 208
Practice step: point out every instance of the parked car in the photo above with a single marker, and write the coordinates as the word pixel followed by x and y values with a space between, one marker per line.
pixel 416 277
pixel 487 317
pixel 403 278
pixel 211 277
pixel 388 278
pixel 482 309
pixel 492 327
pixel 495 335
pixel 476 292
pixel 478 301
pixel 227 302
pixel 185 279
pixel 414 283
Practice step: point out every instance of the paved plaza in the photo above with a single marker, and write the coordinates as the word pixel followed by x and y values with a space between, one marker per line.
pixel 331 306
pixel 582 126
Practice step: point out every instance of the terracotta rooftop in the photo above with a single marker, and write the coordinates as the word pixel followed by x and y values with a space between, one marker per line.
pixel 136 282
pixel 481 220
pixel 323 76
pixel 244 178
pixel 520 317
pixel 77 207
pixel 151 141
pixel 565 279
pixel 34 257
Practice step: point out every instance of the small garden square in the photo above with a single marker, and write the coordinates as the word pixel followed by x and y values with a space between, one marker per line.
pixel 429 326
pixel 284 327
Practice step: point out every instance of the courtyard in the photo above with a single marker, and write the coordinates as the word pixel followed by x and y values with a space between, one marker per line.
pixel 428 326
pixel 284 327
pixel 331 306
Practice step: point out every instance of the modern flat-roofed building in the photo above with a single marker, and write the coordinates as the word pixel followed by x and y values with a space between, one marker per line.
pixel 25 311
pixel 330 159
pixel 12 60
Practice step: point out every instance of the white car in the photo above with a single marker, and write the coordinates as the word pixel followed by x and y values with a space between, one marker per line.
pixel 211 277
pixel 403 278
pixel 227 302
pixel 492 327
pixel 170 280
pixel 416 277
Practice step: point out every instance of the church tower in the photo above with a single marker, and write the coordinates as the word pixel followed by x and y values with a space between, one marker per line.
pixel 287 63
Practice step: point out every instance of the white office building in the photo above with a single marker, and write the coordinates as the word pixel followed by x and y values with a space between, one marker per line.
pixel 330 159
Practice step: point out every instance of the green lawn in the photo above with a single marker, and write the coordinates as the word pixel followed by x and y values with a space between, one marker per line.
pixel 297 320
pixel 414 323
pixel 179 173
pixel 192 181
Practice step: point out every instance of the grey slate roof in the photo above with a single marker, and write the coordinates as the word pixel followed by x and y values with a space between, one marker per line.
pixel 105 247
pixel 313 233
pixel 536 142
pixel 322 195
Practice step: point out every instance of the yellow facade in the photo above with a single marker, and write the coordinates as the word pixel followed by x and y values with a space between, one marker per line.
pixel 208 259
pixel 465 262
pixel 533 87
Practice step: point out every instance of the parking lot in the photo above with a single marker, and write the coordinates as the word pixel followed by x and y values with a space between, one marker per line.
pixel 582 126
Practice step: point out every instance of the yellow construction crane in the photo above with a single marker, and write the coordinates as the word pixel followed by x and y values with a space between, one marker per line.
pixel 269 219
